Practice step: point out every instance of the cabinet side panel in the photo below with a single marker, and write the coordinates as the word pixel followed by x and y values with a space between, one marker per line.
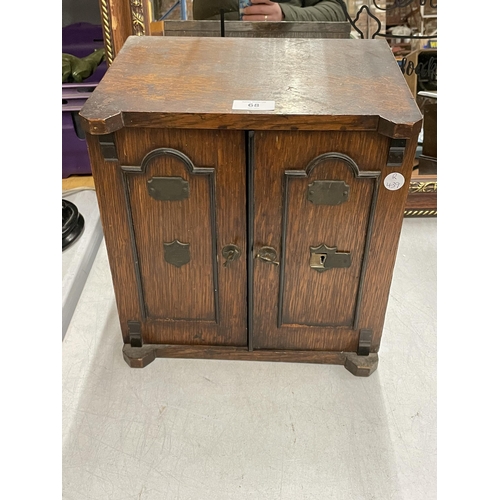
pixel 387 226
pixel 113 212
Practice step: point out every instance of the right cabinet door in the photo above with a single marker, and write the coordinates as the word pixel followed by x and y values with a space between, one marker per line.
pixel 316 197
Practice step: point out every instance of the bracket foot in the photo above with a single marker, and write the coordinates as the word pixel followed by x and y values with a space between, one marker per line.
pixel 361 366
pixel 139 357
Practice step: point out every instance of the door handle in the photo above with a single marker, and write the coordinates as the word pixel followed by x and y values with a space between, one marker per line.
pixel 230 253
pixel 268 254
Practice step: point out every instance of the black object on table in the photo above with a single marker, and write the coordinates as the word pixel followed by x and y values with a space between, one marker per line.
pixel 73 223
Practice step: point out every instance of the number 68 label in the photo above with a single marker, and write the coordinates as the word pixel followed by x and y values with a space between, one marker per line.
pixel 254 105
pixel 394 181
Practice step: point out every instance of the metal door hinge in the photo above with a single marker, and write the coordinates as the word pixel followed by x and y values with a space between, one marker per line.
pixel 134 333
pixel 108 147
pixel 365 342
pixel 396 152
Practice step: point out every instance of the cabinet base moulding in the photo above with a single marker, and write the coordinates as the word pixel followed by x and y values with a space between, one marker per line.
pixel 140 357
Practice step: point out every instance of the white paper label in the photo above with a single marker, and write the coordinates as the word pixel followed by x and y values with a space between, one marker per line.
pixel 394 181
pixel 254 105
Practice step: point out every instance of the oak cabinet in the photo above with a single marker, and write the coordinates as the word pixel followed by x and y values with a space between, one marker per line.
pixel 265 234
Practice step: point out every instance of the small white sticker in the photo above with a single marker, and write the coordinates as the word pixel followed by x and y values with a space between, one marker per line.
pixel 254 105
pixel 394 181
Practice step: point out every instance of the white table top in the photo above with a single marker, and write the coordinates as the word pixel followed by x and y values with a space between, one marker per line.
pixel 205 429
pixel 77 259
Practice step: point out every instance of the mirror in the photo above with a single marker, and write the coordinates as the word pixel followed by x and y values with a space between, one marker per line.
pixel 123 18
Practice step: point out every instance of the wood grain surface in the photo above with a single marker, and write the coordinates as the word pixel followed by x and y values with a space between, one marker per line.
pixel 311 298
pixel 189 82
pixel 184 294
pixel 328 298
pixel 229 353
pixel 170 292
pixel 360 366
pixel 332 96
pixel 387 226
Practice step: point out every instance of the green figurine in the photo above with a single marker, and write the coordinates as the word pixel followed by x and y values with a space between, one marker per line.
pixel 75 69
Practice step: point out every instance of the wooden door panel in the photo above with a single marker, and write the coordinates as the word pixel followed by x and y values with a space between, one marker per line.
pixel 185 292
pixel 295 306
pixel 180 290
pixel 323 298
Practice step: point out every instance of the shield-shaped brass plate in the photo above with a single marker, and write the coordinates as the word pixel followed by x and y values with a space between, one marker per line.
pixel 176 253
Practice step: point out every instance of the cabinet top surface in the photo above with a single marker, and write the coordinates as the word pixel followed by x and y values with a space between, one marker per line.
pixel 192 82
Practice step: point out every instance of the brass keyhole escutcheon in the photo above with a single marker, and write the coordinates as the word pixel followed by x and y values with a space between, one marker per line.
pixel 323 258
pixel 268 254
pixel 230 253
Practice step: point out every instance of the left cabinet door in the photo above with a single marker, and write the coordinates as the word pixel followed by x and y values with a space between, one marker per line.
pixel 173 207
